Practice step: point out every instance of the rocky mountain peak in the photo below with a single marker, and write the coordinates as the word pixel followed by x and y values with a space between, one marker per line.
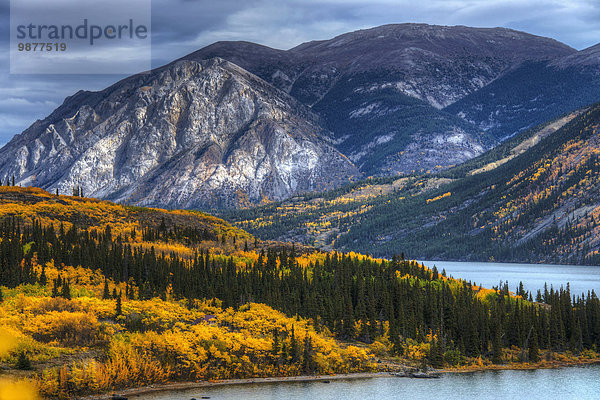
pixel 191 134
pixel 239 123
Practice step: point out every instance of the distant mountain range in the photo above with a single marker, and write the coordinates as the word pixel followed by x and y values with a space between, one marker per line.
pixel 387 92
pixel 237 124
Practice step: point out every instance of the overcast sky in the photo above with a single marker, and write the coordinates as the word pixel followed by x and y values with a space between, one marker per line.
pixel 182 26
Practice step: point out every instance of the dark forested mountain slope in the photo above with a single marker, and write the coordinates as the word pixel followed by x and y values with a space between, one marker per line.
pixel 533 199
pixel 531 94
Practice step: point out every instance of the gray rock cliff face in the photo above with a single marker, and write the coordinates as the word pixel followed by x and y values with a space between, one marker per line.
pixel 190 135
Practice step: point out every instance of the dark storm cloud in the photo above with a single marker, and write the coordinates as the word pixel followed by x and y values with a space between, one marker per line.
pixel 182 26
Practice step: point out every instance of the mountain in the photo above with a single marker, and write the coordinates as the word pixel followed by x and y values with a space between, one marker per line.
pixel 532 93
pixel 238 124
pixel 384 91
pixel 532 199
pixel 587 58
pixel 438 64
pixel 188 135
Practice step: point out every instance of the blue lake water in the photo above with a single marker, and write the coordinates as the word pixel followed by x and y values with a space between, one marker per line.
pixel 581 278
pixel 573 383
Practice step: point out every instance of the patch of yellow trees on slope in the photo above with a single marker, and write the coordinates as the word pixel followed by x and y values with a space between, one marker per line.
pixel 81 347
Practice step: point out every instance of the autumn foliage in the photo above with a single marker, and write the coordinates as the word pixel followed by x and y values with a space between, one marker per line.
pixel 97 296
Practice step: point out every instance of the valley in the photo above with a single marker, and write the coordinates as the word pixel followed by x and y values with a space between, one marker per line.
pixel 530 199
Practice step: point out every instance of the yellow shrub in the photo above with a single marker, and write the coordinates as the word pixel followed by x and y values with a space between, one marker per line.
pixel 69 328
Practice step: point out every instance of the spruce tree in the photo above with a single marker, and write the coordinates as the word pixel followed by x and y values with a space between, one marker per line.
pixel 534 352
pixel 436 358
pixel 348 327
pixel 43 278
pixel 307 356
pixel 497 343
pixel 55 287
pixel 119 310
pixel 106 292
pixel 66 290
pixel 275 348
pixel 294 353
pixel 23 362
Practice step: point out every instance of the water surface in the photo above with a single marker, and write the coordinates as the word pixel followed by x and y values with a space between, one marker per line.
pixel 565 384
pixel 581 278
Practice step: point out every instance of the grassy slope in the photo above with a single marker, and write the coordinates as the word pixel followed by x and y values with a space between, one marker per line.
pixel 34 203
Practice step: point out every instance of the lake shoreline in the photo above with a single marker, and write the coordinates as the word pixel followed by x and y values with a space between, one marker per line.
pixel 520 366
pixel 240 381
pixel 179 386
pixel 581 278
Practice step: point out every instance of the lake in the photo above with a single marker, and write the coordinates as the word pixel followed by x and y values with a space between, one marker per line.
pixel 564 384
pixel 581 278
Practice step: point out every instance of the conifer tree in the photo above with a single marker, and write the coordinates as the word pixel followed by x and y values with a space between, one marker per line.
pixel 497 343
pixel 106 292
pixel 119 310
pixel 66 290
pixel 43 278
pixel 275 348
pixel 293 349
pixel 307 356
pixel 23 362
pixel 436 357
pixel 55 286
pixel 534 353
